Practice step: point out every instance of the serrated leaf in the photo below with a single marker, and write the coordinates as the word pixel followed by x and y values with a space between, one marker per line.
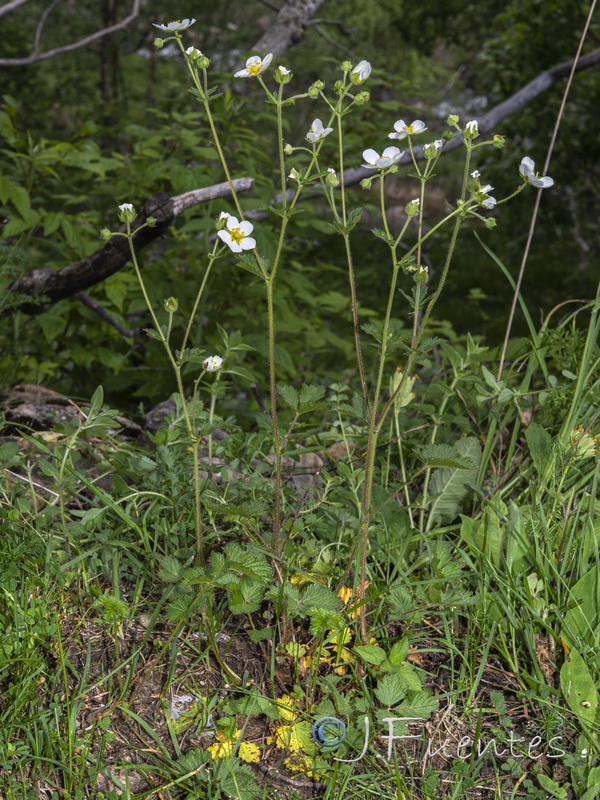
pixel 382 235
pixel 390 690
pixel 321 597
pixel 290 395
pixel 248 262
pixel 353 218
pixel 421 705
pixel 310 393
pixel 170 569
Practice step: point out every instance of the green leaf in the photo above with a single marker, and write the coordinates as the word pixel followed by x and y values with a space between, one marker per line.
pixel 582 620
pixel 290 395
pixel 443 455
pixel 390 690
pixel 450 485
pixel 371 654
pixel 578 688
pixel 540 446
pixel 248 262
pixel 551 786
pixel 421 705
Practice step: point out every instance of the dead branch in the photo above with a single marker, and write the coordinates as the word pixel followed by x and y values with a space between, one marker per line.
pixel 11 6
pixel 288 28
pixel 75 278
pixel 34 56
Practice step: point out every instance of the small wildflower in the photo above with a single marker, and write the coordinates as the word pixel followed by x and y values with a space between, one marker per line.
pixel 403 129
pixel 193 53
pixel 472 129
pixel 487 202
pixel 126 212
pixel 331 179
pixel 294 174
pixel 475 174
pixel 255 65
pixel 433 148
pixel 283 75
pixel 237 234
pixel 213 363
pixel 421 276
pixel 375 161
pixel 412 208
pixel 361 72
pixel 527 171
pixel 317 131
pixel 177 25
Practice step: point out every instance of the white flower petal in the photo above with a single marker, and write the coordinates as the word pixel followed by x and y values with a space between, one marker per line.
pixel 248 243
pixel 370 156
pixel 245 227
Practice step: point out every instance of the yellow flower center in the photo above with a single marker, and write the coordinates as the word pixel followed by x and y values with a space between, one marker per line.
pixel 409 129
pixel 236 235
pixel 255 68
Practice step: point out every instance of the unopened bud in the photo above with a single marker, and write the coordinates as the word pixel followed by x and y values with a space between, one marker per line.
pixel 490 223
pixel 288 149
pixel 193 54
pixel 151 222
pixel 498 141
pixel 366 183
pixel 338 87
pixel 204 62
pixel 171 305
pixel 126 212
pixel 452 119
pixel 447 136
pixel 421 275
pixel 283 75
pixel 412 208
pixel 471 130
pixel 105 234
pixel 331 179
pixel 158 43
pixel 345 66
pixel 362 98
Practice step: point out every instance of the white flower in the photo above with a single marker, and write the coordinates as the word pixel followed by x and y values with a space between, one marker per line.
pixel 475 174
pixel 404 129
pixel 255 65
pixel 237 234
pixel 489 202
pixel 317 131
pixel 472 129
pixel 438 144
pixel 375 161
pixel 126 212
pixel 224 215
pixel 283 70
pixel 331 170
pixel 527 171
pixel 126 207
pixel 212 364
pixel 294 174
pixel 361 72
pixel 177 25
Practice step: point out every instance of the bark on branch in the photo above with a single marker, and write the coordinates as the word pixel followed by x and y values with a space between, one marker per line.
pixel 292 18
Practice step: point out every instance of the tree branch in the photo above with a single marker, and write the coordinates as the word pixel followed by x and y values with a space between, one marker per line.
pixel 292 19
pixel 11 6
pixel 67 48
pixel 55 285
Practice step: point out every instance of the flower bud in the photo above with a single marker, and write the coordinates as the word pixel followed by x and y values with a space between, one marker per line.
pixel 498 141
pixel 193 54
pixel 126 212
pixel 345 66
pixel 421 275
pixel 294 174
pixel 366 183
pixel 447 136
pixel 412 208
pixel 452 119
pixel 362 98
pixel 288 149
pixel 105 234
pixel 171 305
pixel 315 89
pixel 490 223
pixel 151 222
pixel 338 87
pixel 283 75
pixel 204 62
pixel 361 72
pixel 331 179
pixel 222 220
pixel 433 148
pixel 471 129
pixel 158 43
